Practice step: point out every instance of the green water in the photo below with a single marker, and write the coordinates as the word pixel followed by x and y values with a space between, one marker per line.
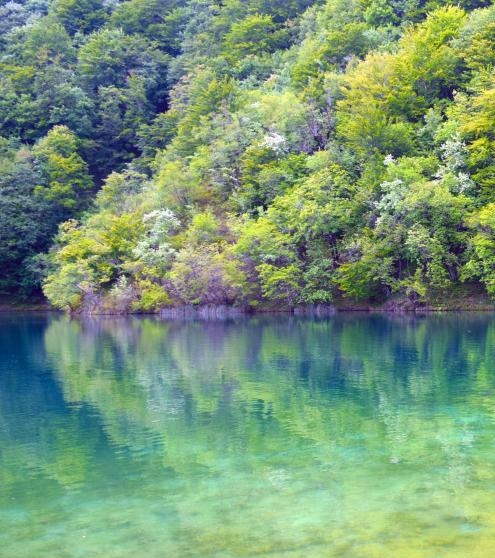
pixel 351 437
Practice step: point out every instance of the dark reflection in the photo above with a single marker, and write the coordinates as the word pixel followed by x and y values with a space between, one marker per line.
pixel 117 406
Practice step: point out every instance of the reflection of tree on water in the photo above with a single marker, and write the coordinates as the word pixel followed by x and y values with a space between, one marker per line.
pixel 252 383
pixel 33 430
pixel 260 414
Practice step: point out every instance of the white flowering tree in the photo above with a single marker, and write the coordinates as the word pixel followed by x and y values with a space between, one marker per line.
pixel 154 249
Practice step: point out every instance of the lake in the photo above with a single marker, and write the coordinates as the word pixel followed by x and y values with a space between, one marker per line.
pixel 354 436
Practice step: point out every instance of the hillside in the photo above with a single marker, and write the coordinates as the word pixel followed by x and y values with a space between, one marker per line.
pixel 254 153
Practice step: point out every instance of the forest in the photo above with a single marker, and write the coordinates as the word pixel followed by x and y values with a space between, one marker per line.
pixel 248 153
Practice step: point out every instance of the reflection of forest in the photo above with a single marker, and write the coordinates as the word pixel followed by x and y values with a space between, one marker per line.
pixel 199 389
pixel 82 401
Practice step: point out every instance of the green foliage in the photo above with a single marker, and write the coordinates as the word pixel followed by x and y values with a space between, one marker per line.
pixel 481 264
pixel 201 276
pixel 63 171
pixel 158 20
pixel 40 43
pixel 204 229
pixel 245 152
pixel 367 272
pixel 27 223
pixel 66 290
pixel 82 16
pixel 256 34
pixel 152 297
pixel 476 116
pixel 280 283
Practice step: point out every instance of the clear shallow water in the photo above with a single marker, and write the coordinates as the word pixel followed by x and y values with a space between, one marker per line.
pixel 351 437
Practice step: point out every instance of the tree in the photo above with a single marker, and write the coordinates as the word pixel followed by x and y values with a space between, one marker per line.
pixel 481 263
pixel 160 21
pixel 27 223
pixel 65 181
pixel 256 34
pixel 83 16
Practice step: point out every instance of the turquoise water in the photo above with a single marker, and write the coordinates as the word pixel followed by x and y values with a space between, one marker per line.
pixel 352 437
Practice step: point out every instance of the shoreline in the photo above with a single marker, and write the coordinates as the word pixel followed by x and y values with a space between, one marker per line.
pixel 465 298
pixel 217 312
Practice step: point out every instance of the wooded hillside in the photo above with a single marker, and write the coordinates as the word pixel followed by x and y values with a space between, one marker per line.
pixel 168 152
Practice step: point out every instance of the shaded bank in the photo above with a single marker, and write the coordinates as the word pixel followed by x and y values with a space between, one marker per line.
pixel 465 298
pixel 213 312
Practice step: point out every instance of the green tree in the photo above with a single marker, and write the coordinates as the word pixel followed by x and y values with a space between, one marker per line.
pixel 83 16
pixel 256 34
pixel 159 20
pixel 27 223
pixel 65 179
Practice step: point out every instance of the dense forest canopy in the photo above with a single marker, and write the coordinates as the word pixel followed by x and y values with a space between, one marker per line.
pixel 165 152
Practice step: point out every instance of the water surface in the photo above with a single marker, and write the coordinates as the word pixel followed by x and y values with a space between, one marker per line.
pixel 352 437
